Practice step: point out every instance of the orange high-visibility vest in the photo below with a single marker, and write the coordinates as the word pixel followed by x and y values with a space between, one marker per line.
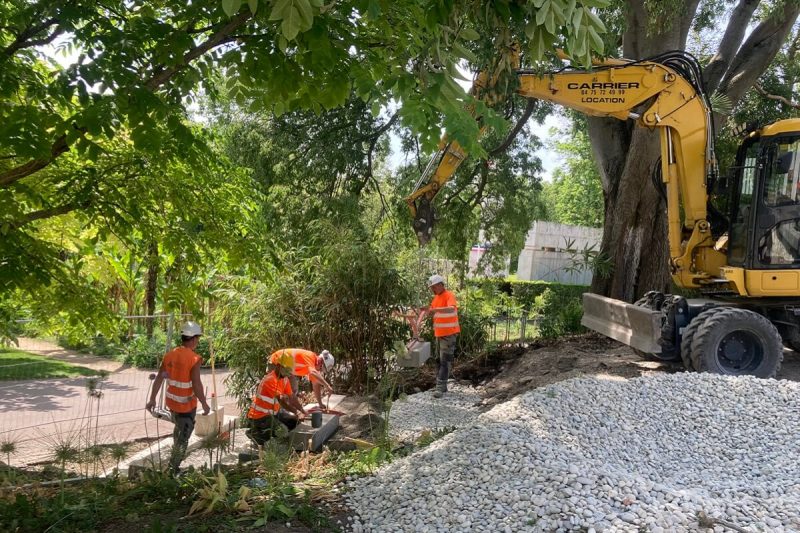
pixel 304 361
pixel 445 323
pixel 177 368
pixel 265 401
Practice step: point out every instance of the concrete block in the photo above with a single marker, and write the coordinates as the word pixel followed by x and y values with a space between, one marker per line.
pixel 418 353
pixel 304 437
pixel 209 424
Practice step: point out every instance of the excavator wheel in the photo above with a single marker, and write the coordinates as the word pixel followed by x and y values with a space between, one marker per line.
pixel 736 342
pixel 688 335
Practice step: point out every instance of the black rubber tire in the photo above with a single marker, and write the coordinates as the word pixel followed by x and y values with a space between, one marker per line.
pixel 688 335
pixel 719 325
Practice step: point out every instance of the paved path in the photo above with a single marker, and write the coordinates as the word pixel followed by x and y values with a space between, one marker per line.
pixel 54 351
pixel 39 414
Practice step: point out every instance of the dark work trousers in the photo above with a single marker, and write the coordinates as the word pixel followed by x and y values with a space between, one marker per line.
pixel 447 351
pixel 266 427
pixel 184 426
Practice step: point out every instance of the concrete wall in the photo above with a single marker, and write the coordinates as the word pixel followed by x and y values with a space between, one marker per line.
pixel 484 270
pixel 551 251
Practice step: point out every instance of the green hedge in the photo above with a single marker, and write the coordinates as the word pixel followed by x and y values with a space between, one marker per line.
pixel 557 306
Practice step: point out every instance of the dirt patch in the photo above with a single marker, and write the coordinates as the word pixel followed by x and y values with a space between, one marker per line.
pixel 569 357
pixel 566 358
pixel 361 421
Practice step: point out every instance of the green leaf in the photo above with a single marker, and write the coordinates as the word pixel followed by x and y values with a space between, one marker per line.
pixel 290 26
pixel 231 7
pixel 306 14
pixel 577 18
pixel 317 3
pixel 253 5
pixel 541 15
pixel 550 23
pixel 462 51
pixel 595 21
pixel 374 10
pixel 469 34
pixel 597 42
pixel 280 10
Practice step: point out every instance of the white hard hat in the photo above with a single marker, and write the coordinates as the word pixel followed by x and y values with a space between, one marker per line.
pixel 433 280
pixel 327 358
pixel 191 329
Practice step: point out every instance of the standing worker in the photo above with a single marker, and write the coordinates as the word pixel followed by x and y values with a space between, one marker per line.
pixel 274 392
pixel 445 328
pixel 308 364
pixel 181 369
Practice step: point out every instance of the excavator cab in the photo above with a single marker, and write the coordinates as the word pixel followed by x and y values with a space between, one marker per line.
pixel 765 207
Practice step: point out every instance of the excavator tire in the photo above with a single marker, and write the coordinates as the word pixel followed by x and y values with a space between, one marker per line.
pixel 736 342
pixel 688 335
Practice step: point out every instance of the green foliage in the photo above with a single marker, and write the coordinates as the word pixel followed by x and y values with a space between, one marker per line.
pixel 556 307
pixel 339 297
pixel 558 315
pixel 142 352
pixel 575 195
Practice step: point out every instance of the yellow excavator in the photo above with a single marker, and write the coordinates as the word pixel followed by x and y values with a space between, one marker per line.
pixel 745 263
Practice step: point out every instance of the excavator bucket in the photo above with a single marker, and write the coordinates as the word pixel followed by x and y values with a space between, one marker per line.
pixel 638 327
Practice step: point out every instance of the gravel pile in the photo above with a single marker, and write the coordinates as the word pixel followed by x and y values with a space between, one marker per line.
pixel 596 455
pixel 411 415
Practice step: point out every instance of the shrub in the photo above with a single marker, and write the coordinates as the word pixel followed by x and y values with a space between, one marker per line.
pixel 143 352
pixel 340 299
pixel 557 306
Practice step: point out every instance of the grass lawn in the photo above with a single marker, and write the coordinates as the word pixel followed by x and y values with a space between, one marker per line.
pixel 15 364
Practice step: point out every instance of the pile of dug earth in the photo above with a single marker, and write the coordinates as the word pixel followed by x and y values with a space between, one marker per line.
pixel 646 454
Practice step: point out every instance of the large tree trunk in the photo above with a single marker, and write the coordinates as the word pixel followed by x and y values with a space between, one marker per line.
pixel 635 228
pixel 153 265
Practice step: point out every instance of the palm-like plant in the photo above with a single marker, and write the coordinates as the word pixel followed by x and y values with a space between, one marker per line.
pixel 8 447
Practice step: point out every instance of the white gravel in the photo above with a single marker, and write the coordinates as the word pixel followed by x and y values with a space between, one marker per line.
pixel 596 455
pixel 411 415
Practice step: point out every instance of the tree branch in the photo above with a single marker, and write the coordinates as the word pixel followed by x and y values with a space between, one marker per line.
pixel 221 36
pixel 46 213
pixel 757 52
pixel 158 79
pixel 17 173
pixel 760 90
pixel 529 108
pixel 730 43
pixel 23 39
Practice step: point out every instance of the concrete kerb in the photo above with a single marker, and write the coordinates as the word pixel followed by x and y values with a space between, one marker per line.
pixel 156 455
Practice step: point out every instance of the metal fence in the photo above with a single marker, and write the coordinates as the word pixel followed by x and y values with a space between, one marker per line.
pixel 513 329
pixel 53 399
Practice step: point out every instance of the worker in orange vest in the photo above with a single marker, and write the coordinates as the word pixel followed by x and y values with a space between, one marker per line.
pixel 181 370
pixel 272 406
pixel 445 328
pixel 310 365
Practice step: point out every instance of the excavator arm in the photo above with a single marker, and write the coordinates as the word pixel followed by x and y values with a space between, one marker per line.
pixel 664 95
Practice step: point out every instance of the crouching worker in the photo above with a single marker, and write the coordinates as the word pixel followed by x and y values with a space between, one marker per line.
pixel 308 364
pixel 272 407
pixel 181 370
